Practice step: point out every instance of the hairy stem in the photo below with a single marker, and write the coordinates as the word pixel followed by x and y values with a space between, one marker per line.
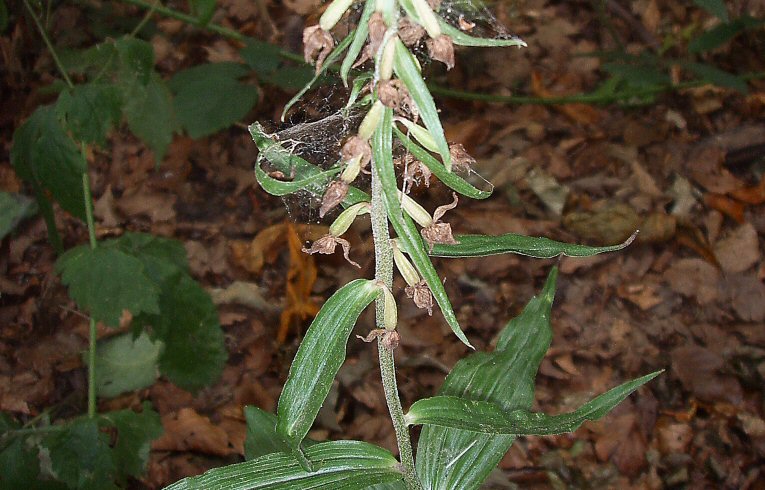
pixel 384 273
pixel 92 326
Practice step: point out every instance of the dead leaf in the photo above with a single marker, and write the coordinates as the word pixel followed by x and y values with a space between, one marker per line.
pixel 623 444
pixel 154 205
pixel 301 277
pixel 104 210
pixel 186 430
pixel 609 224
pixel 746 294
pixel 245 294
pixel 548 190
pixel 727 206
pixel 674 437
pixel 695 278
pixel 580 113
pixel 302 7
pixel 705 166
pixel 740 250
pixel 697 368
pixel 645 296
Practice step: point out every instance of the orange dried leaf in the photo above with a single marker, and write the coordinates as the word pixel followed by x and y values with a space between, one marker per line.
pixel 725 205
pixel 301 277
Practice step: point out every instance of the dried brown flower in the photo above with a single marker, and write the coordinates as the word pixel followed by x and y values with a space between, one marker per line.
pixel 317 44
pixel 327 245
pixel 377 30
pixel 464 24
pixel 410 32
pixel 439 232
pixel 414 172
pixel 334 195
pixel 394 94
pixel 461 159
pixel 442 49
pixel 391 339
pixel 354 147
pixel 421 295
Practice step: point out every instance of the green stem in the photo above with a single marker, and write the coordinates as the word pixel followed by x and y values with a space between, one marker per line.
pixel 384 273
pixel 92 327
pixel 46 39
pixel 46 209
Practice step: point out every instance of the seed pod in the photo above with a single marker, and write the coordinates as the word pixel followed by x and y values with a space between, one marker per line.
pixel 371 120
pixel 421 134
pixel 407 270
pixel 346 218
pixel 427 18
pixel 413 209
pixel 390 311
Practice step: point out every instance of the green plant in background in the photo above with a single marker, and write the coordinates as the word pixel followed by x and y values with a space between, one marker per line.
pixel 485 401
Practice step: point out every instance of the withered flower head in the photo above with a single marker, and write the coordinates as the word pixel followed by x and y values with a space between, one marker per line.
pixel 442 49
pixel 410 32
pixel 461 159
pixel 327 244
pixel 464 24
pixel 354 147
pixel 377 30
pixel 440 232
pixel 334 195
pixel 317 44
pixel 391 339
pixel 414 171
pixel 420 294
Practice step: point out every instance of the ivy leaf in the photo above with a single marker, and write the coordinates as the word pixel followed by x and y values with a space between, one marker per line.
pixel 80 456
pixel 135 431
pixel 105 281
pixel 125 363
pixel 46 157
pixel 210 97
pixel 194 353
pixel 149 113
pixel 90 110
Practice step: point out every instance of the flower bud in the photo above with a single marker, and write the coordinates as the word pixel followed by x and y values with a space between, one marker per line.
pixel 427 19
pixel 421 134
pixel 346 218
pixel 407 270
pixel 386 59
pixel 371 120
pixel 352 169
pixel 416 211
pixel 390 311
pixel 333 13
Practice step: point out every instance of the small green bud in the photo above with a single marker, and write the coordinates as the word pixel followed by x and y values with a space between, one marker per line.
pixel 421 134
pixel 407 270
pixel 333 13
pixel 346 218
pixel 390 310
pixel 427 19
pixel 352 169
pixel 417 212
pixel 371 120
pixel 386 59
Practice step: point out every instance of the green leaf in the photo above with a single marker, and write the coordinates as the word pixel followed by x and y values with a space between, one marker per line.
pixel 714 7
pixel 450 179
pixel 319 357
pixel 490 418
pixel 262 57
pixel 203 10
pixel 408 235
pixel 126 364
pixel 406 69
pixel 262 437
pixel 722 33
pixel 538 247
pixel 275 187
pixel 162 258
pixel 14 208
pixel 716 76
pixel 462 39
pixel 80 455
pixel 135 431
pixel 210 97
pixel 46 157
pixel 291 77
pixel 3 20
pixel 643 73
pixel 105 281
pixel 135 60
pixel 359 39
pixel 339 465
pixel 90 110
pixel 19 465
pixel 331 59
pixel 194 353
pixel 149 112
pixel 456 458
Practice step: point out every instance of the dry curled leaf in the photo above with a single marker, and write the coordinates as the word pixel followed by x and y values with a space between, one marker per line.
pixel 317 44
pixel 301 277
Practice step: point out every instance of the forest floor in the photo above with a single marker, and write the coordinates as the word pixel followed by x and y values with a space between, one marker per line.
pixel 686 168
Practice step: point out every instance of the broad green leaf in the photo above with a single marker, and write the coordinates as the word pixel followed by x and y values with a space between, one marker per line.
pixel 407 70
pixel 490 418
pixel 262 57
pixel 722 33
pixel 340 465
pixel 19 465
pixel 210 97
pixel 80 455
pixel 194 353
pixel 135 431
pixel 329 61
pixel 46 157
pixel 716 76
pixel 319 357
pixel 538 247
pixel 291 77
pixel 162 258
pixel 149 112
pixel 126 364
pixel 450 179
pixel 714 7
pixel 203 10
pixel 408 235
pixel 359 39
pixel 14 208
pixel 262 437
pixel 90 110
pixel 455 458
pixel 105 281
pixel 643 73
pixel 135 60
